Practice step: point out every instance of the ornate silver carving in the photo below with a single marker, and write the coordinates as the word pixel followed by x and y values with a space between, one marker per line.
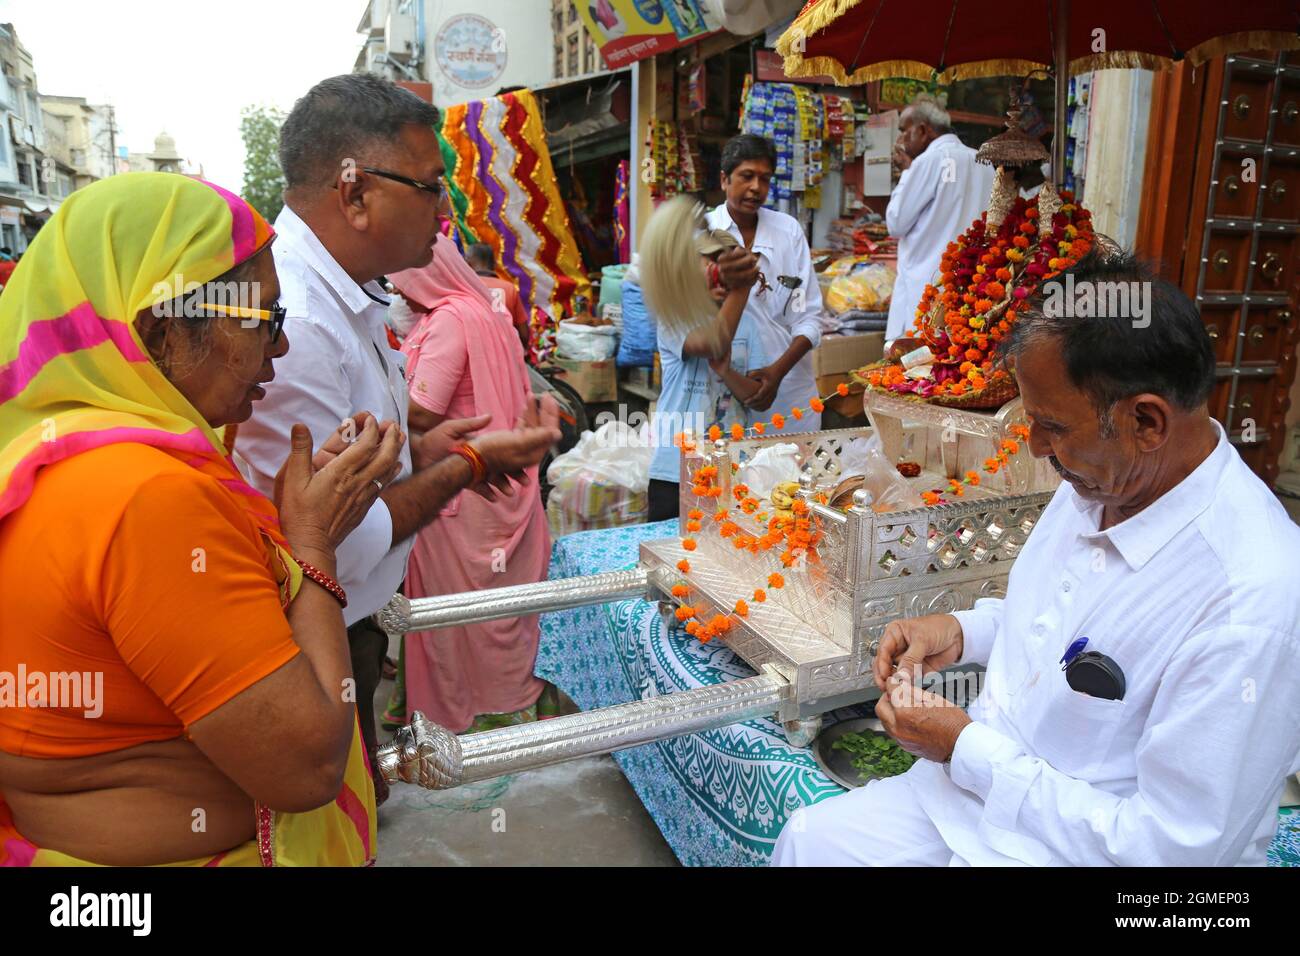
pixel 422 753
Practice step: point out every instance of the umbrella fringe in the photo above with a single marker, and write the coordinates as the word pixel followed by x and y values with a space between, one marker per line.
pixel 810 22
pixel 797 65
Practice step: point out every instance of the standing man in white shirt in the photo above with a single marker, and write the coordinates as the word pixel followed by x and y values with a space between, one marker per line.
pixel 1162 553
pixel 780 322
pixel 363 172
pixel 941 192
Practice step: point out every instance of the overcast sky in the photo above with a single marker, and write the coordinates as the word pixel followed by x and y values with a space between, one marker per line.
pixel 186 66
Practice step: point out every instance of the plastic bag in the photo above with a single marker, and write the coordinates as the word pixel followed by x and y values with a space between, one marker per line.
pixel 640 339
pixel 868 289
pixel 586 343
pixel 769 468
pixel 616 453
pixel 602 481
pixel 889 490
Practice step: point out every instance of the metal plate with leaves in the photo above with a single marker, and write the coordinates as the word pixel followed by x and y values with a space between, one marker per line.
pixel 838 764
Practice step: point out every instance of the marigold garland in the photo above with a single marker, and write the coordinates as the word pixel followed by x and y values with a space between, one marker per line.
pixel 983 279
pixel 797 534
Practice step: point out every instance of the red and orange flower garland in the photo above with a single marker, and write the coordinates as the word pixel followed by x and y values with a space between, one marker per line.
pixel 984 278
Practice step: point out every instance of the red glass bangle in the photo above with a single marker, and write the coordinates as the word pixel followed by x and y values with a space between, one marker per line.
pixel 477 465
pixel 324 580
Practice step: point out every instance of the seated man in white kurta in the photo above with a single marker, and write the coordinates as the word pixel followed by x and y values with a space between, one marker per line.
pixel 1164 551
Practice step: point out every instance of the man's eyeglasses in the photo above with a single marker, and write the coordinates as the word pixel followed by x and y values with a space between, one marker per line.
pixel 436 189
pixel 275 315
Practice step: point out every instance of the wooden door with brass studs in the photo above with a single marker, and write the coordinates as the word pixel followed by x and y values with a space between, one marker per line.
pixel 1240 260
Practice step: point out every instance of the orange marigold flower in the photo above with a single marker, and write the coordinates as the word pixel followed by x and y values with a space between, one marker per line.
pixel 817 405
pixel 796 412
pixel 728 528
pixel 680 590
pixel 842 388
pixel 759 428
pixel 700 491
pixel 1020 242
pixel 760 595
pixel 737 431
pixel 692 526
pixel 721 514
pixel 788 558
pixel 775 580
pixel 991 465
pixel 714 432
pixel 749 505
pixel 689 544
pixel 742 608
pixel 741 542
pixel 684 566
pixel 695 514
pixel 973 477
pixel 740 491
pixel 1010 446
pixel 685 612
pixel 930 497
pixel 973 355
pixel 778 421
pixel 720 624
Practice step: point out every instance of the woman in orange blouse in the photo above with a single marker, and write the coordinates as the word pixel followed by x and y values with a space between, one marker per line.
pixel 171 641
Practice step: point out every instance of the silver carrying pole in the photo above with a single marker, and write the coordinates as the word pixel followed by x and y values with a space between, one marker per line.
pixel 425 754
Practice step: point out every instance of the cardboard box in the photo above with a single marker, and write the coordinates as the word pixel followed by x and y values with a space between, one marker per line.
pixel 838 354
pixel 594 381
pixel 850 405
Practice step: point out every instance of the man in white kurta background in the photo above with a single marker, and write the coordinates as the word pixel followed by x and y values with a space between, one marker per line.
pixel 941 192
pixel 1171 559
pixel 780 323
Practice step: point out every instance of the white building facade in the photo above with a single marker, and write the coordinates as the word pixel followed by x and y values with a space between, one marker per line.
pixel 464 50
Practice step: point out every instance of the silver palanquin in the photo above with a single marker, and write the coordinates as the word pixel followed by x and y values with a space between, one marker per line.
pixel 814 640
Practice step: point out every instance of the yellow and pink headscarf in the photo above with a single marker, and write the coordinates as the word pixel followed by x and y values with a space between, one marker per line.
pixel 74 374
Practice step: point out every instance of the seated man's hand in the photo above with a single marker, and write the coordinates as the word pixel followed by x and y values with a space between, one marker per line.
pixel 436 444
pixel 923 723
pixel 917 645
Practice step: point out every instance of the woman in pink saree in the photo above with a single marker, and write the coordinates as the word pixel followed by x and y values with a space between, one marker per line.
pixel 464 360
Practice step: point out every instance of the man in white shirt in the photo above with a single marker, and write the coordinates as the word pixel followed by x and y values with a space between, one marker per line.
pixel 780 322
pixel 363 172
pixel 1174 561
pixel 941 192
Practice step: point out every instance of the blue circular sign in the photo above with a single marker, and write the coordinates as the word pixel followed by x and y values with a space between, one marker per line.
pixel 471 51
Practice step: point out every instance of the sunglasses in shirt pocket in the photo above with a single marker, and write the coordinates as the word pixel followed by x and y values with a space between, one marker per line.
pixel 1073 731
